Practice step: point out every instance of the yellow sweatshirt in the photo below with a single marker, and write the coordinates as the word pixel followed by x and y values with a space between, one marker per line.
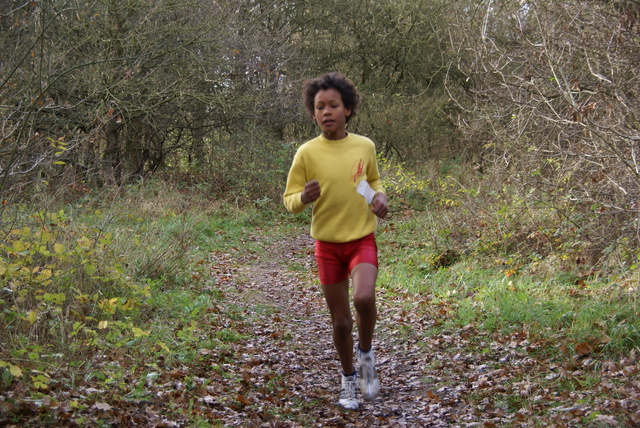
pixel 340 214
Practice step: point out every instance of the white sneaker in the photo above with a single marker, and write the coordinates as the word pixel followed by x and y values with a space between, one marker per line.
pixel 348 392
pixel 369 383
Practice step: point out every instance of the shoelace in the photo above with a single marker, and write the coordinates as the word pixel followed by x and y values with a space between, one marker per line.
pixel 349 389
pixel 367 367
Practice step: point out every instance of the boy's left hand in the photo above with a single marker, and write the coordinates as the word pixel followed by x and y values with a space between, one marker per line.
pixel 379 205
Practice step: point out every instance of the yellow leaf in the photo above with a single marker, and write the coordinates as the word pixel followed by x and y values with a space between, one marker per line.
pixel 128 304
pixel 83 298
pixel 163 346
pixel 46 274
pixel 54 298
pixel 58 248
pixel 108 305
pixel 32 316
pixel 18 246
pixel 41 381
pixel 89 268
pixel 15 370
pixel 85 243
pixel 103 324
pixel 138 332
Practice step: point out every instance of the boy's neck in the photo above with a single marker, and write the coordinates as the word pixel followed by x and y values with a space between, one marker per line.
pixel 336 136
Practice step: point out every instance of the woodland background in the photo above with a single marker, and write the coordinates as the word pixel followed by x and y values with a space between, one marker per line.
pixel 135 133
pixel 541 96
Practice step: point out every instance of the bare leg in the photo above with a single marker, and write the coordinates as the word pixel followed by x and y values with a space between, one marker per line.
pixel 337 297
pixel 364 299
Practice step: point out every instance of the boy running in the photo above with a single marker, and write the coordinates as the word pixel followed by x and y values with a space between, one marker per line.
pixel 329 171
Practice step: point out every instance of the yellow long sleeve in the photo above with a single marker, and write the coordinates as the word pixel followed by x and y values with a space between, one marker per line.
pixel 340 214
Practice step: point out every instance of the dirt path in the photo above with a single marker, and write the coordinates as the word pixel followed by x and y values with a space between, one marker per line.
pixel 294 340
pixel 459 378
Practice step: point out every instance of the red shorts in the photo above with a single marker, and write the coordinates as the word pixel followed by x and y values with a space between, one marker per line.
pixel 336 260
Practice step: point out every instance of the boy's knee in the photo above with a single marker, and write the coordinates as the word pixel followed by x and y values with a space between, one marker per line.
pixel 343 326
pixel 364 304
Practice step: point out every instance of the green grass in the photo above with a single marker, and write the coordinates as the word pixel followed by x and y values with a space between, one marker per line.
pixel 596 312
pixel 497 292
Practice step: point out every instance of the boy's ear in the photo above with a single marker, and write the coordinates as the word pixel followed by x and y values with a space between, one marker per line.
pixel 347 112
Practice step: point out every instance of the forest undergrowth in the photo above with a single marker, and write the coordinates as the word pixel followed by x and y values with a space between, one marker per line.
pixel 156 305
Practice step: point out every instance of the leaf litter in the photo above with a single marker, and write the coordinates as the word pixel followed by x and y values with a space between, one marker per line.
pixel 276 366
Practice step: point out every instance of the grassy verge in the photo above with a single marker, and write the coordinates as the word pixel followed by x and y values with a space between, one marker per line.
pixel 123 271
pixel 572 309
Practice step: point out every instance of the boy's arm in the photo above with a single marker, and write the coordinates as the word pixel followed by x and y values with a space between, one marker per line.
pixel 379 204
pixel 296 181
pixel 376 185
pixel 373 175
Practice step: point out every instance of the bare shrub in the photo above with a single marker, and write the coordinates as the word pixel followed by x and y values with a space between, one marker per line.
pixel 551 107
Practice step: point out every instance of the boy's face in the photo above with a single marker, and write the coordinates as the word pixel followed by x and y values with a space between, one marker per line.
pixel 330 114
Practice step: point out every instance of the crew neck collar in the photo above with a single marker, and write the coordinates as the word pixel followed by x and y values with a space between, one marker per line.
pixel 323 138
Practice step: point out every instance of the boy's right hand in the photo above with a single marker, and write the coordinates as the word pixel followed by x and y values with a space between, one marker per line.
pixel 311 192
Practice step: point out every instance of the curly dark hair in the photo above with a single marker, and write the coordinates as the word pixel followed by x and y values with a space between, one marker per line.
pixel 334 80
